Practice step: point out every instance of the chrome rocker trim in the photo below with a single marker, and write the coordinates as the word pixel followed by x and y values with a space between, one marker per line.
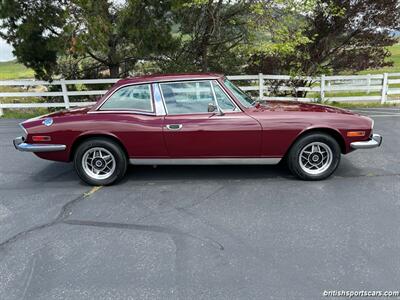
pixel 20 145
pixel 205 161
pixel 374 142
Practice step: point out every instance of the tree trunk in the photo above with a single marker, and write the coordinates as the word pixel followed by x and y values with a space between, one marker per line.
pixel 204 59
pixel 114 70
pixel 208 29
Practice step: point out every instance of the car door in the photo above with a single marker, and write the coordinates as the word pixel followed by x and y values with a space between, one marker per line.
pixel 192 130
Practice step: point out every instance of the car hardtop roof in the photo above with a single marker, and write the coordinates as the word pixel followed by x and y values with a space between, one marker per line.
pixel 168 77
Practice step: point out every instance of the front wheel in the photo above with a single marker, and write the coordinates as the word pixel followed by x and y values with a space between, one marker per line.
pixel 314 156
pixel 100 161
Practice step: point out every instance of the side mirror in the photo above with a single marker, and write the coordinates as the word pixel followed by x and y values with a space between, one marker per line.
pixel 214 108
pixel 211 107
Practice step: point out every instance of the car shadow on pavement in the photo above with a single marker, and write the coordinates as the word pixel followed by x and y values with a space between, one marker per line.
pixel 195 172
pixel 62 172
pixel 56 172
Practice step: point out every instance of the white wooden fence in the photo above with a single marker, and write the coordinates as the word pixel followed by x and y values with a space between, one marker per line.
pixel 378 87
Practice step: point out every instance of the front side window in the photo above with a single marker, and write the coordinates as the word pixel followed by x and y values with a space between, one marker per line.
pixel 223 100
pixel 187 97
pixel 134 97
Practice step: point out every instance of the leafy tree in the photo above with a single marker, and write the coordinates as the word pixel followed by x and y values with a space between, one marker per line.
pixel 115 34
pixel 33 28
pixel 101 33
pixel 82 38
pixel 211 34
pixel 327 36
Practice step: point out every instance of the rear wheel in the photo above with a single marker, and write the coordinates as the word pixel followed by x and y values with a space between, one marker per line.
pixel 314 156
pixel 100 161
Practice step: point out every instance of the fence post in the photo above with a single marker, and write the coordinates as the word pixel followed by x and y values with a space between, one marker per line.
pixel 1 112
pixel 260 86
pixel 322 88
pixel 368 83
pixel 65 95
pixel 384 87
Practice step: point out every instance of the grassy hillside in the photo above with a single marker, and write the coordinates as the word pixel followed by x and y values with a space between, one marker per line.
pixel 395 50
pixel 14 70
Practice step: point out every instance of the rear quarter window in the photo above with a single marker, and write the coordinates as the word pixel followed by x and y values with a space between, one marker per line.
pixel 134 97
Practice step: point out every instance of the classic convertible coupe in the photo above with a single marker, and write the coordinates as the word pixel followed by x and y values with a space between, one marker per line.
pixel 194 119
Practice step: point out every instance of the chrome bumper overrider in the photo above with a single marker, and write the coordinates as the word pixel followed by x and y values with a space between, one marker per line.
pixel 20 145
pixel 374 142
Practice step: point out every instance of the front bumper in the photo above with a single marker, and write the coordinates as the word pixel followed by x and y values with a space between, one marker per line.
pixel 375 141
pixel 19 144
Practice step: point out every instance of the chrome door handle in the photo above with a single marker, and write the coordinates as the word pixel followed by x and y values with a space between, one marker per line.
pixel 174 126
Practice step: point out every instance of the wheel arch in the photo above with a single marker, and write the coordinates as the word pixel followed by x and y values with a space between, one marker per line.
pixel 80 139
pixel 326 130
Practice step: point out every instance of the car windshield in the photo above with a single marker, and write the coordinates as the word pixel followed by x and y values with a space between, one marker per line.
pixel 244 99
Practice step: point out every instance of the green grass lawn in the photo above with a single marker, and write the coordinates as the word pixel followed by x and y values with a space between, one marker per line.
pixel 13 70
pixel 25 113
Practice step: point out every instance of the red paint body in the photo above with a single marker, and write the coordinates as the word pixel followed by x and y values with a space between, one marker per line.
pixel 266 130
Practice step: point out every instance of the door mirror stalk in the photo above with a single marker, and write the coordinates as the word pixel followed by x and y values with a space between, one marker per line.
pixel 215 109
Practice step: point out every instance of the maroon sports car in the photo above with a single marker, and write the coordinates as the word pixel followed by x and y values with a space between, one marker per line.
pixel 194 119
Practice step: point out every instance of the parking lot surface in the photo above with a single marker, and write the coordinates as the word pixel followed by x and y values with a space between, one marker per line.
pixel 200 232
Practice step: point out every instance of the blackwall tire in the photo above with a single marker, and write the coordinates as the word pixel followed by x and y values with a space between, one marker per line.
pixel 314 156
pixel 100 161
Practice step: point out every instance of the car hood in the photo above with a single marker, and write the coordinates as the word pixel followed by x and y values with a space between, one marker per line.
pixel 296 106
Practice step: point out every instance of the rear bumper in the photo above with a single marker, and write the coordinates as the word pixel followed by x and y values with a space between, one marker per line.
pixel 375 141
pixel 19 144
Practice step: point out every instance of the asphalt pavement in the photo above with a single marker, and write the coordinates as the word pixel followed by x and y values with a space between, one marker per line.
pixel 200 232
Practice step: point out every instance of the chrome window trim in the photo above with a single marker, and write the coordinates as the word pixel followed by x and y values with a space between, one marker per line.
pixel 206 161
pixel 133 110
pixel 237 108
pixel 156 82
pixel 136 112
pixel 215 97
pixel 158 100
